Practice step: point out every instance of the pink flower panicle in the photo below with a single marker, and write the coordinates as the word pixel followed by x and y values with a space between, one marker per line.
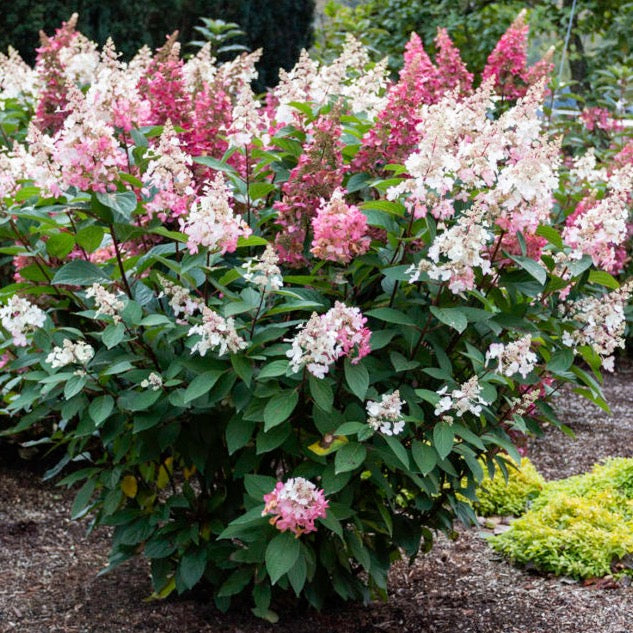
pixel 507 64
pixel 326 338
pixel 318 174
pixel 340 230
pixel 211 222
pixel 295 506
pixel 451 71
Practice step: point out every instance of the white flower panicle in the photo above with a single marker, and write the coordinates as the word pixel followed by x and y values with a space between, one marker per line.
pixel 264 271
pixel 70 353
pixel 513 358
pixel 465 399
pixel 216 332
pixel 602 323
pixel 19 318
pixel 327 337
pixel 154 382
pixel 211 222
pixel 386 416
pixel 106 303
pixel 456 251
pixel 246 120
pixel 180 301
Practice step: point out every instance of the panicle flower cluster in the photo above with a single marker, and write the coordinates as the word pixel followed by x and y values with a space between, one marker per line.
pixel 69 353
pixel 17 79
pixel 386 416
pixel 601 118
pixel 180 301
pixel 264 271
pixel 456 252
pixel 246 120
pixel 597 228
pixel 513 358
pixel 106 303
pixel 216 331
pixel 211 222
pixel 451 73
pixel 318 174
pixel 169 178
pixel 326 338
pixel 507 64
pixel 86 149
pixel 598 322
pixel 19 317
pixel 295 506
pixel 465 399
pixel 340 230
pixel 154 382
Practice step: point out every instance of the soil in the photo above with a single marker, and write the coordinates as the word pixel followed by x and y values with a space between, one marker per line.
pixel 49 566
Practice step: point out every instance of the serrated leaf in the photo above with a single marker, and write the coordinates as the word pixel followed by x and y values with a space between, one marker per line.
pixel 357 379
pixel 452 317
pixel 273 369
pixel 398 450
pixel 532 267
pixel 202 384
pixel 79 273
pixel 60 244
pixel 321 393
pixel 349 457
pixel 443 436
pixel 100 408
pixel 424 456
pixel 121 203
pixel 390 315
pixel 279 408
pixel 129 486
pixel 192 566
pixel 90 238
pixel 603 278
pixel 281 555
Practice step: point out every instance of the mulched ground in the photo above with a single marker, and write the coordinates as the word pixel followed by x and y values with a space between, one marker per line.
pixel 48 566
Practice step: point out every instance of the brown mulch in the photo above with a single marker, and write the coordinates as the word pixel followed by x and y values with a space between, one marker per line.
pixel 48 566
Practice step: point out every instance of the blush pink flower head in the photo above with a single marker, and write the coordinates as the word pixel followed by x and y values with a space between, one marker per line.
pixel 295 506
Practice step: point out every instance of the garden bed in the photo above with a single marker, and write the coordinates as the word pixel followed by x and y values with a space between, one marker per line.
pixel 48 566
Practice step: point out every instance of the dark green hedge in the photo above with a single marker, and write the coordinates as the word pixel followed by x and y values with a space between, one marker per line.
pixel 281 27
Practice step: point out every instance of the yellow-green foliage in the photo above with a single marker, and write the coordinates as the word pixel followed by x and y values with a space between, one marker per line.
pixel 577 526
pixel 496 496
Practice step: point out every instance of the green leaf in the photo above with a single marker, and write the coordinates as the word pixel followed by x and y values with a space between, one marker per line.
pixel 398 450
pixel 113 335
pixel 79 273
pixel 236 582
pixel 424 456
pixel 90 238
pixel 297 574
pixel 551 235
pixel 532 267
pixel 60 244
pixel 321 393
pixel 138 400
pixel 74 386
pixel 281 555
pixel 279 408
pixel 443 436
pixel 389 315
pixel 349 457
pixel 274 369
pixel 121 203
pixel 82 500
pixel 192 566
pixel 202 384
pixel 561 361
pixel 603 278
pixel 100 408
pixel 357 378
pixel 243 368
pixel 453 317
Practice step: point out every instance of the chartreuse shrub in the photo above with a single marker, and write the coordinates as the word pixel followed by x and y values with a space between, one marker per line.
pixel 578 526
pixel 502 496
pixel 277 342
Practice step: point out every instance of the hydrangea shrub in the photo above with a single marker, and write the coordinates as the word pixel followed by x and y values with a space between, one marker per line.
pixel 276 348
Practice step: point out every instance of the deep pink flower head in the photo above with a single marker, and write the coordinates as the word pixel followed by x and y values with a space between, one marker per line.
pixel 451 70
pixel 340 230
pixel 507 63
pixel 295 506
pixel 51 107
pixel 395 134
